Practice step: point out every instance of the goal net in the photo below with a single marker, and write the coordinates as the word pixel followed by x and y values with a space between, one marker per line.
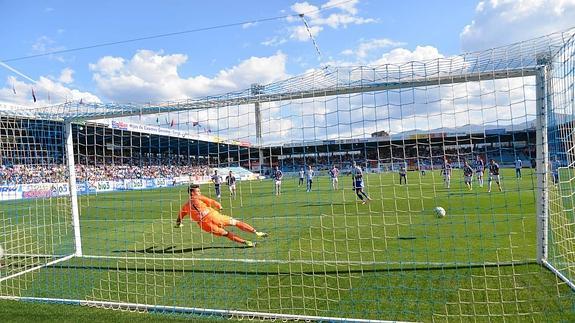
pixel 347 170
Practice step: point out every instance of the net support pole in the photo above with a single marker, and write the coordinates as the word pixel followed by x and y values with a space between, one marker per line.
pixel 542 150
pixel 73 187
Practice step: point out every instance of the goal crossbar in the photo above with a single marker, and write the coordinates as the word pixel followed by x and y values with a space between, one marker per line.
pixel 75 111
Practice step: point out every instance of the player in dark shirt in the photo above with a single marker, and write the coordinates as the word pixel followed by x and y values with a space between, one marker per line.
pixel 494 175
pixel 231 181
pixel 467 174
pixel 217 180
pixel 278 176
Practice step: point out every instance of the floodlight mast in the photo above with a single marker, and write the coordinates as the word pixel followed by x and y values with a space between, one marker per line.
pixel 256 91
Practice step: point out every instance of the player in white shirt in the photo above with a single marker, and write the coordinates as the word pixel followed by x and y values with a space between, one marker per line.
pixel 446 170
pixel 402 175
pixel 309 175
pixel 334 173
pixel 301 177
pixel 479 170
pixel 518 166
pixel 278 176
pixel 217 180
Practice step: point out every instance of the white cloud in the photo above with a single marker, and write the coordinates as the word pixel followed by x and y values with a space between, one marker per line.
pixel 336 20
pixel 309 10
pixel 365 47
pixel 249 25
pixel 274 41
pixel 480 6
pixel 66 76
pixel 402 55
pixel 150 75
pixel 45 44
pixel 301 33
pixel 347 6
pixel 47 92
pixel 347 15
pixel 500 22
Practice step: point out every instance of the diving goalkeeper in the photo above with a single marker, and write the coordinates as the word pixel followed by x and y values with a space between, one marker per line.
pixel 204 211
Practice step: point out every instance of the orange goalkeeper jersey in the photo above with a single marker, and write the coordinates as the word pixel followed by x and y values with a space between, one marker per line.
pixel 200 207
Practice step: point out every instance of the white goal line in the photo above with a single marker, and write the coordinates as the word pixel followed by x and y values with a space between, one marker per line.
pixel 196 310
pixel 316 262
pixel 282 261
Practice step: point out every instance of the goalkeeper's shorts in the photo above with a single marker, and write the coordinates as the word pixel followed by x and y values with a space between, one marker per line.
pixel 214 223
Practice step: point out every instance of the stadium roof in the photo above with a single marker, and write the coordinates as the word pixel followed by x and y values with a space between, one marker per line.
pixel 516 60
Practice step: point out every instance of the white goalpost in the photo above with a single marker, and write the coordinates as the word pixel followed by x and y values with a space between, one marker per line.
pixel 90 194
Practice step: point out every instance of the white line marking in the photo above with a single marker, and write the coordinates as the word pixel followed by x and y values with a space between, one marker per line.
pixel 314 262
pixel 231 314
pixel 36 268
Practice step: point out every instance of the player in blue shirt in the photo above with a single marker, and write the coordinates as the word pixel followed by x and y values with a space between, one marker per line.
pixel 357 175
pixel 421 167
pixel 494 175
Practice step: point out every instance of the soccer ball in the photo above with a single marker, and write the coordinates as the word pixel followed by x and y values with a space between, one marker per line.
pixel 439 211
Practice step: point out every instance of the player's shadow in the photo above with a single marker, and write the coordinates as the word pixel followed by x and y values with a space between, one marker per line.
pixel 171 250
pixel 321 204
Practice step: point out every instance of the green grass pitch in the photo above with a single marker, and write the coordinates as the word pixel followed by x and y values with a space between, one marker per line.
pixel 327 254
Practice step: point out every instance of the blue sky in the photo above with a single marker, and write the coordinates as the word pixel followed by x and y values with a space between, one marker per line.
pixel 226 59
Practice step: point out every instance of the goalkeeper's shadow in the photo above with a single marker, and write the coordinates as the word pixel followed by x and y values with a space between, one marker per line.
pixel 171 250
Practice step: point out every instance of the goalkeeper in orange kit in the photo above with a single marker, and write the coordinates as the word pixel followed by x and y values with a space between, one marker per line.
pixel 204 211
